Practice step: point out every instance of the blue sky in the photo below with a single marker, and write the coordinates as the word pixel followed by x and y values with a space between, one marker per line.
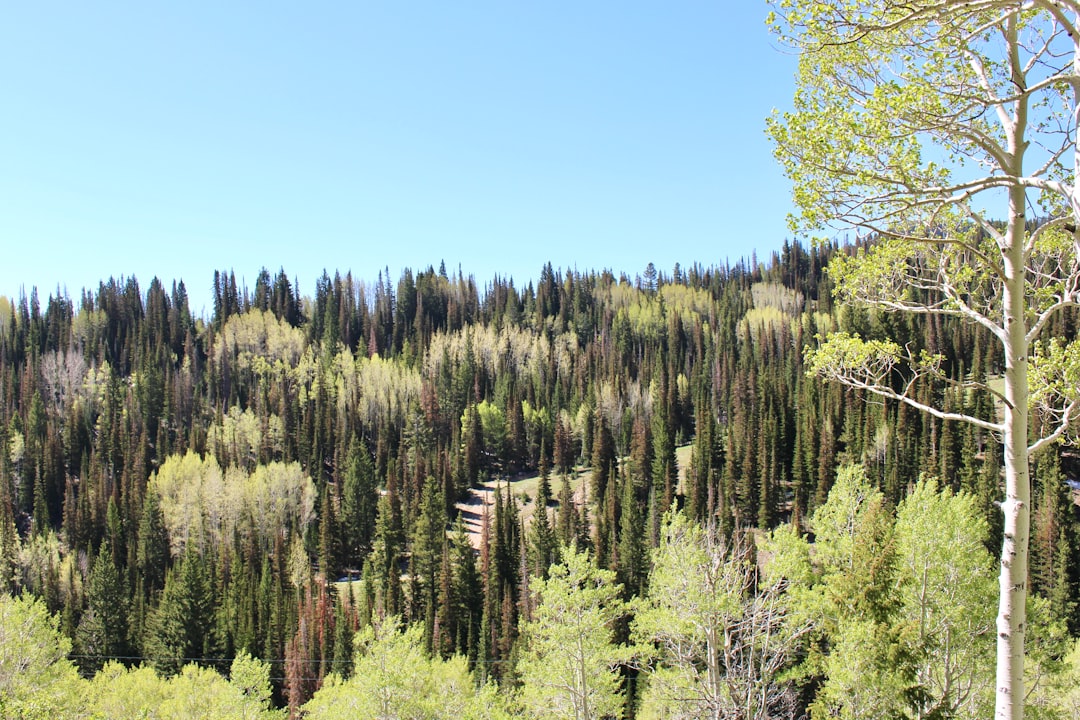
pixel 172 139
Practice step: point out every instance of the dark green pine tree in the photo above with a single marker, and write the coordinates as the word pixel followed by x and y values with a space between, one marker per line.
pixel 41 507
pixel 359 502
pixel 969 460
pixel 344 629
pixel 8 535
pixel 1062 594
pixel 442 642
pixel 543 545
pixel 468 591
pixel 948 452
pixel 34 462
pixel 328 535
pixel 461 596
pixel 1053 542
pixel 606 528
pixel 472 447
pixel 603 460
pixel 103 630
pixel 152 554
pixel 179 629
pixel 238 611
pixel 486 664
pixel 114 530
pixel 665 470
pixel 429 537
pixel 697 477
pixel 990 485
pixel 633 557
pixel 566 520
pixel 386 551
pixel 641 456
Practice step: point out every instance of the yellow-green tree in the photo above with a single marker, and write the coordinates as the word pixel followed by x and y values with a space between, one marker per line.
pixel 716 637
pixel 395 677
pixel 36 678
pixel 570 665
pixel 946 130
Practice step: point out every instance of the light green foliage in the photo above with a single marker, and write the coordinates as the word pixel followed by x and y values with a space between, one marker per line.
pixel 946 590
pixel 260 342
pixel 501 349
pixel 240 437
pixel 840 586
pixel 904 609
pixel 569 667
pixel 538 423
pixel 853 600
pixel 1054 372
pixel 866 364
pixel 687 301
pixel 36 678
pixel 493 427
pixel 201 505
pixel 1057 696
pixel 867 102
pixel 774 305
pixel 395 678
pixel 119 692
pixel 758 320
pixel 7 312
pixel 279 498
pixel 16 449
pixel 1049 672
pixel 776 295
pixel 251 677
pixel 719 644
pixel 646 312
pixel 188 488
pixel 863 682
pixel 384 389
pixel 852 548
pixel 195 693
pixel 40 563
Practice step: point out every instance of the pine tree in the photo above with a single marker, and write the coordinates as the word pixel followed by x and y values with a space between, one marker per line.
pixel 344 630
pixel 542 540
pixel 603 460
pixel 179 630
pixel 566 520
pixel 103 631
pixel 429 537
pixel 328 536
pixel 632 566
pixel 359 501
pixel 9 537
pixel 664 466
pixel 152 554
pixel 385 554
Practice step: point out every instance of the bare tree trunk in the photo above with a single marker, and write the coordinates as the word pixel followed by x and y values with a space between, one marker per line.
pixel 1012 595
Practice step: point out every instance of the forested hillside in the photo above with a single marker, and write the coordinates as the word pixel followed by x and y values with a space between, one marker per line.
pixel 283 476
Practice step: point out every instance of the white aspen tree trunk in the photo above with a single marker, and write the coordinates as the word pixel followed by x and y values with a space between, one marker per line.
pixel 1012 581
pixel 1012 591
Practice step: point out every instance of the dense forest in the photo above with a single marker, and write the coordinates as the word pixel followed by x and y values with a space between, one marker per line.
pixel 298 482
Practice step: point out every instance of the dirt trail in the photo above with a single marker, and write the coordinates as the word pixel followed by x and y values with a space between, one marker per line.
pixel 472 508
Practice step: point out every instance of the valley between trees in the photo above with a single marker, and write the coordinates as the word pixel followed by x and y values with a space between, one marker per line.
pixel 277 506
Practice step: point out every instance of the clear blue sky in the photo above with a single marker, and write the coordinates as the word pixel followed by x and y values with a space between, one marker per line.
pixel 171 139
